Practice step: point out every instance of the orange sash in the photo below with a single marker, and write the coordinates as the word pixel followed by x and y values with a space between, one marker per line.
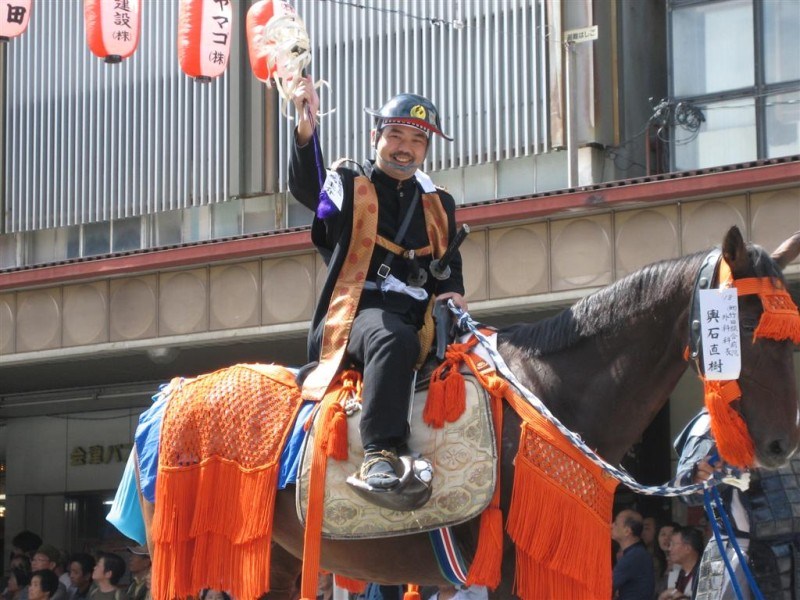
pixel 350 282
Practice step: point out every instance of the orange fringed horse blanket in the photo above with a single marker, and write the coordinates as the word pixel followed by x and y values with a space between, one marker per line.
pixel 221 441
pixel 560 515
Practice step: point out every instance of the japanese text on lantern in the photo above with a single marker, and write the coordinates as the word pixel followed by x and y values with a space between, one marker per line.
pixel 122 21
pixel 15 14
pixel 220 32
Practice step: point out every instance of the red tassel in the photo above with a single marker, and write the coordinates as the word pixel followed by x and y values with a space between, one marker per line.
pixel 412 593
pixel 434 413
pixel 337 434
pixel 455 396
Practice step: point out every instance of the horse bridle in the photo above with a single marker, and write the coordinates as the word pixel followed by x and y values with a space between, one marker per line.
pixel 779 321
pixel 704 281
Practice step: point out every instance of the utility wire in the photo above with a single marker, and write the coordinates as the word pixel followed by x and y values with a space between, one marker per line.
pixel 456 24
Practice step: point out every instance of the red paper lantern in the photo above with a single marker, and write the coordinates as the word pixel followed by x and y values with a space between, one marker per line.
pixel 204 37
pixel 14 16
pixel 258 17
pixel 112 27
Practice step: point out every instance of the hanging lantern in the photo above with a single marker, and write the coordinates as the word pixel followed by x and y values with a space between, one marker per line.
pixel 261 17
pixel 112 28
pixel 14 16
pixel 204 37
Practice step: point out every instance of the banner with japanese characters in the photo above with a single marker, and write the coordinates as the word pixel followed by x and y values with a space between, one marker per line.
pixel 14 17
pixel 112 27
pixel 204 37
pixel 719 327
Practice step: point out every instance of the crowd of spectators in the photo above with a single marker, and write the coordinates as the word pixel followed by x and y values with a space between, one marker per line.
pixel 654 560
pixel 41 571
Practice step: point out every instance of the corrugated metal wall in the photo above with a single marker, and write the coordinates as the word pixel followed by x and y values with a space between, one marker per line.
pixel 482 62
pixel 86 141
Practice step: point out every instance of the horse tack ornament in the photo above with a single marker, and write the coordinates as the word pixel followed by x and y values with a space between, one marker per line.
pixel 779 321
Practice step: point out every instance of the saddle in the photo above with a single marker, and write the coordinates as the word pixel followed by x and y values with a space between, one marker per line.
pixel 464 464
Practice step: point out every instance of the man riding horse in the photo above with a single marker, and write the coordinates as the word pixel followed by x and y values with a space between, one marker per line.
pixel 378 228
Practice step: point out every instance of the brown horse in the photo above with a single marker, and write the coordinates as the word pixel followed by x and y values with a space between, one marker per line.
pixel 604 367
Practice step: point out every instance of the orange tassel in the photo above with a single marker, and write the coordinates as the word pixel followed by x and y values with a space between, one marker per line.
pixel 778 326
pixel 412 593
pixel 354 586
pixel 485 567
pixel 337 433
pixel 434 412
pixel 728 428
pixel 455 396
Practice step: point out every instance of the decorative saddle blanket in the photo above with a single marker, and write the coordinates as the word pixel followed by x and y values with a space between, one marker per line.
pixel 464 460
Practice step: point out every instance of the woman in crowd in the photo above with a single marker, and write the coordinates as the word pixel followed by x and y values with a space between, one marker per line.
pixel 19 578
pixel 662 551
pixel 44 584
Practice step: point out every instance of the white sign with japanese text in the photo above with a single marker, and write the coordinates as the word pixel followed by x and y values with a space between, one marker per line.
pixel 719 328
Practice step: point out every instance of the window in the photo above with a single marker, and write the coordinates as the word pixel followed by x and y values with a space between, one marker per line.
pixel 781 41
pixel 712 47
pixel 736 61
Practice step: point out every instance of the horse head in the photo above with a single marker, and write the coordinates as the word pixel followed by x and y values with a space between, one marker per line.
pixel 768 403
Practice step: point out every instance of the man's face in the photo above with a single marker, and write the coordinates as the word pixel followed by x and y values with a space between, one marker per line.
pixel 41 561
pixel 400 150
pixel 138 563
pixel 76 575
pixel 618 527
pixel 677 548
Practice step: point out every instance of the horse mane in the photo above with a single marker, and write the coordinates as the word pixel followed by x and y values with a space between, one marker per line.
pixel 613 308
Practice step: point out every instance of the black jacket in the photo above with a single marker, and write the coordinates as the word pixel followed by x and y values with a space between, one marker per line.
pixel 331 236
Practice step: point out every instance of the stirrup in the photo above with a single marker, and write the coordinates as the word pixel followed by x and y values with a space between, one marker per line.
pixel 411 492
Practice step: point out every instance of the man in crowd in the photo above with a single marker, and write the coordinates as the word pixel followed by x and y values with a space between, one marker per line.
pixel 685 549
pixel 139 567
pixel 379 224
pixel 48 557
pixel 25 543
pixel 81 566
pixel 633 576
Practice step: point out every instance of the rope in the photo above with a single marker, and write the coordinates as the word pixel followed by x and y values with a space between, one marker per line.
pixel 466 323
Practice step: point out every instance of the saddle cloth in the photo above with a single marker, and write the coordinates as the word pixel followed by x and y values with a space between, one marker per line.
pixel 464 460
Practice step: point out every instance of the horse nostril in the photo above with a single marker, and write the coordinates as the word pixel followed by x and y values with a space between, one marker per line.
pixel 778 448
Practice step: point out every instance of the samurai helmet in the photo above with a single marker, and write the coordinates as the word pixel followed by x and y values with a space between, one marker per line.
pixel 409 109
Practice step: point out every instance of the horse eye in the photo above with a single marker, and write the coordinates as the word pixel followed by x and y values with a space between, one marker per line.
pixel 749 324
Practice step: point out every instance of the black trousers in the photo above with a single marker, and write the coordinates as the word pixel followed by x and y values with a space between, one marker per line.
pixel 386 345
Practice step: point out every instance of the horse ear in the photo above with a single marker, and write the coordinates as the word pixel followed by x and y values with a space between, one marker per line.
pixel 734 250
pixel 787 251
